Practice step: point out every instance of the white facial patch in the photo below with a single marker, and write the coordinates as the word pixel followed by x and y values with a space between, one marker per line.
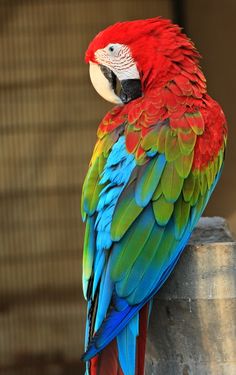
pixel 118 58
pixel 102 85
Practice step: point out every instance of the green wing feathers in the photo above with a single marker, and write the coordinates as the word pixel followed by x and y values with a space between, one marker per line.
pixel 159 206
pixel 91 187
pixel 168 194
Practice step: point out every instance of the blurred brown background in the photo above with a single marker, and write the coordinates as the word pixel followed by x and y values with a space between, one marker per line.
pixel 49 113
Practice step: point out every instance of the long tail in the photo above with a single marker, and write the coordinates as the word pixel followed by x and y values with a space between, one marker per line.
pixel 117 357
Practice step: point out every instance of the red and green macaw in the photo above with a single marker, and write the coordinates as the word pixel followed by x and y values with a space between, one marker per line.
pixel 157 160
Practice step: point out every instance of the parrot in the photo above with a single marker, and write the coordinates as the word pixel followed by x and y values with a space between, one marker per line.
pixel 158 156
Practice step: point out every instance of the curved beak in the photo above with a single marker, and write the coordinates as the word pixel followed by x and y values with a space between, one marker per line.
pixel 103 84
pixel 107 85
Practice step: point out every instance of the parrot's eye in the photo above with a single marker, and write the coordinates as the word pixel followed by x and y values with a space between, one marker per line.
pixel 111 49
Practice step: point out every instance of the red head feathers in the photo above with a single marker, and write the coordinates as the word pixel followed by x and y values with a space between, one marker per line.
pixel 159 48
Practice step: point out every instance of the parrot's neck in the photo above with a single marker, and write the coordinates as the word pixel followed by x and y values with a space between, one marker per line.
pixel 161 79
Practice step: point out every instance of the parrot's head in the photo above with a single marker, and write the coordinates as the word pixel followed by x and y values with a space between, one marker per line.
pixel 129 58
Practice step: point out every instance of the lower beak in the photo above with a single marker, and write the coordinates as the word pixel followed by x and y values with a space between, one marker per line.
pixel 110 88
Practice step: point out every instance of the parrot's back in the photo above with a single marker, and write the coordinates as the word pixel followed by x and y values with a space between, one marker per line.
pixel 157 160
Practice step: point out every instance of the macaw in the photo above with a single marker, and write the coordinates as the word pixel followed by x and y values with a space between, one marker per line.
pixel 158 157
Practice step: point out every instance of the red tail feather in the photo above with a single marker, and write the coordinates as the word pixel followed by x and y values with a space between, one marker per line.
pixel 141 340
pixel 106 363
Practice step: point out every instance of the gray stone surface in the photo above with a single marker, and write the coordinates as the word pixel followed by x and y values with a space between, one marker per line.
pixel 192 325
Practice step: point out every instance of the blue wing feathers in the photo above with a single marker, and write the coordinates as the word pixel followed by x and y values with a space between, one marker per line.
pixel 125 290
pixel 99 267
pixel 116 321
pixel 105 294
pixel 115 180
pixel 120 304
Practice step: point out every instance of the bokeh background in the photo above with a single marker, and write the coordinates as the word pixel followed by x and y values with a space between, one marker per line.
pixel 49 113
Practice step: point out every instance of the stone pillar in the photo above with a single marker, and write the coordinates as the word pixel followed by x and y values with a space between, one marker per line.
pixel 192 325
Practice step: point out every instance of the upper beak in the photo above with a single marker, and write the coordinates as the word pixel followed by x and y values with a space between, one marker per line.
pixel 105 83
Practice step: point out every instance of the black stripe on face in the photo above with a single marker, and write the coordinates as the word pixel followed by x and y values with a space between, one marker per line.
pixel 127 90
pixel 130 89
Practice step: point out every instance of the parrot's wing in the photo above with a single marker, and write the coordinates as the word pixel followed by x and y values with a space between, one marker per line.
pixel 152 221
pixel 91 191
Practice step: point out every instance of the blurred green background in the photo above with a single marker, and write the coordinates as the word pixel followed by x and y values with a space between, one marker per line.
pixel 49 113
